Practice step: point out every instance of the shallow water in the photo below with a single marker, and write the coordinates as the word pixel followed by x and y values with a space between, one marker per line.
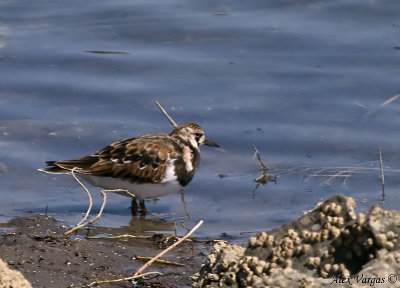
pixel 304 81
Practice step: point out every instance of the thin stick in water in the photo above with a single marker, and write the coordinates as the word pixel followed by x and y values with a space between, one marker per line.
pixel 259 159
pixel 87 192
pixel 382 175
pixel 166 115
pixel 390 100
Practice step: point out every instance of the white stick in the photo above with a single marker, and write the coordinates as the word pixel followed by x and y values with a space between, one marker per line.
pixel 166 115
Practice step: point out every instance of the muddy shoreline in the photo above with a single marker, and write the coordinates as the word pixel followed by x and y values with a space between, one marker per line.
pixel 36 247
pixel 327 243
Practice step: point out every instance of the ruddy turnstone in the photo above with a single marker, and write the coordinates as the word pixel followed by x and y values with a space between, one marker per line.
pixel 148 166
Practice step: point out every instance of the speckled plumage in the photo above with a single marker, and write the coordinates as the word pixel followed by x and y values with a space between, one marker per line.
pixel 157 159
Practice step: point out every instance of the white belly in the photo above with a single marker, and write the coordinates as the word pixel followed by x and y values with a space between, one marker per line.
pixel 141 191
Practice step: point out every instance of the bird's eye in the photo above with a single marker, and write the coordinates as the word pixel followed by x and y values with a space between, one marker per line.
pixel 198 135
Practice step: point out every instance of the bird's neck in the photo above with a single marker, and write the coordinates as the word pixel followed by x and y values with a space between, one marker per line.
pixel 188 163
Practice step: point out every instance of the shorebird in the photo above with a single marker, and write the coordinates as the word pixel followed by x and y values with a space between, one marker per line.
pixel 147 166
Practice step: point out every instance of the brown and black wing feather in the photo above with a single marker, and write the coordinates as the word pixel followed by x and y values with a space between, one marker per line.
pixel 81 165
pixel 142 159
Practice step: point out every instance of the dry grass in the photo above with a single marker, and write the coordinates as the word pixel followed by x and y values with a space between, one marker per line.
pixel 342 174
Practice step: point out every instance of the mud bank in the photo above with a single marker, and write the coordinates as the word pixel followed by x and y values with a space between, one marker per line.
pixel 35 247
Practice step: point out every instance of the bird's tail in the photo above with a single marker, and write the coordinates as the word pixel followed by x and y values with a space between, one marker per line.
pixel 64 167
pixel 54 169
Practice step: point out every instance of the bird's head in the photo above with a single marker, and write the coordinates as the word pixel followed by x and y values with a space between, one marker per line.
pixel 192 133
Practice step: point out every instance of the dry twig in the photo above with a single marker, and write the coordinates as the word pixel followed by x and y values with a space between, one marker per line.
pixel 169 248
pixel 87 192
pixel 382 175
pixel 151 261
pixel 123 236
pixel 82 224
pixel 95 283
pixel 166 115
pixel 263 178
pixel 390 100
pixel 160 261
pixel 259 159
pixel 338 174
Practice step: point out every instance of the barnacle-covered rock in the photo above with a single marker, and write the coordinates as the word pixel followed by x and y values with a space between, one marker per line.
pixel 330 243
pixel 11 278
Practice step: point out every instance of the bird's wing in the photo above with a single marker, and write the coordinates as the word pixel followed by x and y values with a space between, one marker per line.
pixel 141 159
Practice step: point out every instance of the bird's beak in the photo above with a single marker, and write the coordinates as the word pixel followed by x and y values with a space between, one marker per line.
pixel 210 143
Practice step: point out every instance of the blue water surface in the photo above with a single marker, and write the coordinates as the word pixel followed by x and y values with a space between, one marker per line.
pixel 304 81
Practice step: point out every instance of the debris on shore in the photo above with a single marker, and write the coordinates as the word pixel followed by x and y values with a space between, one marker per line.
pixel 36 247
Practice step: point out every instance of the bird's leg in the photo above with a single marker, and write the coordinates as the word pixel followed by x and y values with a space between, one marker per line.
pixel 184 203
pixel 134 207
pixel 143 209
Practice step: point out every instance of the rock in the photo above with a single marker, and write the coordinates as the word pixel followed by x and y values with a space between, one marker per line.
pixel 12 278
pixel 329 245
